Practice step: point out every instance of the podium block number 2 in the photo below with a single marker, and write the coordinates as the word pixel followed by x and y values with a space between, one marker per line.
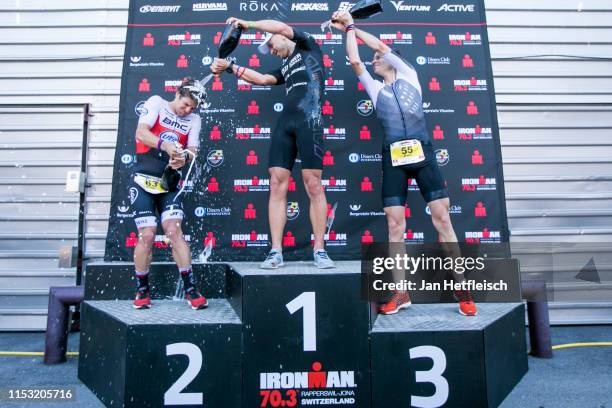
pixel 174 396
pixel 433 376
pixel 306 301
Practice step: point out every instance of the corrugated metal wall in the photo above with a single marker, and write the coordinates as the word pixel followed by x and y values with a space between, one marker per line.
pixel 553 78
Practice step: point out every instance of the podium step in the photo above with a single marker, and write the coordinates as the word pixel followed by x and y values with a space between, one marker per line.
pixel 305 336
pixel 430 355
pixel 168 355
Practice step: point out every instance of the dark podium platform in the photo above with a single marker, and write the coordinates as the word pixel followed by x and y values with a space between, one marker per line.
pixel 165 356
pixel 430 355
pixel 292 337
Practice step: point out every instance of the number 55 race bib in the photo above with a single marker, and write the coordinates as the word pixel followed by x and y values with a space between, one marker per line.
pixel 406 152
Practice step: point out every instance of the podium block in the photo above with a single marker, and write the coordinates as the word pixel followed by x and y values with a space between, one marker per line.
pixel 305 336
pixel 116 280
pixel 431 356
pixel 168 355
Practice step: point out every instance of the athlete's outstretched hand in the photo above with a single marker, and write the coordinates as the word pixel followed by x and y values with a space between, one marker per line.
pixel 341 19
pixel 238 22
pixel 219 65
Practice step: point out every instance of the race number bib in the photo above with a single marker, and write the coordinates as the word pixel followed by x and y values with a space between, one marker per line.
pixel 406 152
pixel 150 184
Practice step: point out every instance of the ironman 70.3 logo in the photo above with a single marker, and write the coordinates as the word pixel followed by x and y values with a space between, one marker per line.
pixel 316 387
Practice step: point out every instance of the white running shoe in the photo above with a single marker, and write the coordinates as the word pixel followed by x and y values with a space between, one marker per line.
pixel 273 261
pixel 322 260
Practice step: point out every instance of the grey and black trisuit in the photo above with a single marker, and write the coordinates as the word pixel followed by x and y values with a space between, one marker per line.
pixel 399 107
pixel 300 127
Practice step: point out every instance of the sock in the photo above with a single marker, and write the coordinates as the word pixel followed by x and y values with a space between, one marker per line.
pixel 142 279
pixel 188 278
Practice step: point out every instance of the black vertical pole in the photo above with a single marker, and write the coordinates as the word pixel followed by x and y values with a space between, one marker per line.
pixel 81 234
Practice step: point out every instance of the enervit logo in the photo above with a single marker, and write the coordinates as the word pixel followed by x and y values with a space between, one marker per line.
pixel 293 210
pixel 442 157
pixel 353 157
pixel 309 7
pixel 258 6
pixel 215 158
pixel 147 8
pixel 455 8
pixel 400 6
pixel 278 107
pixel 140 109
pixel 126 159
pixel 365 107
pixel 210 7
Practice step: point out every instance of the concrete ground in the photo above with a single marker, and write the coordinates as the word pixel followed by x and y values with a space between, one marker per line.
pixel 574 378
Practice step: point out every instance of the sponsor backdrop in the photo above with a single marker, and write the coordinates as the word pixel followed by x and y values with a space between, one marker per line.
pixel 226 198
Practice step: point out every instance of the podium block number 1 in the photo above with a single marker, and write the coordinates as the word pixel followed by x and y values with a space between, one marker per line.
pixel 307 302
pixel 174 396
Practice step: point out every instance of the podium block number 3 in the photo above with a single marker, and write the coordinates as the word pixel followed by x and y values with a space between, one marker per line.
pixel 174 396
pixel 433 376
pixel 306 301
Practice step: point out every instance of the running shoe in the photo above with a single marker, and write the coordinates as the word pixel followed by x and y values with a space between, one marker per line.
pixel 467 307
pixel 195 299
pixel 142 300
pixel 273 261
pixel 322 260
pixel 399 300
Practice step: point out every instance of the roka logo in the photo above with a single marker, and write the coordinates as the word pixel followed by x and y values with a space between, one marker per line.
pixel 254 5
pixel 400 6
pixel 147 8
pixel 454 8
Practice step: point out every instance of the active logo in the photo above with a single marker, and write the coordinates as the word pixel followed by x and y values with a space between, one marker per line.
pixel 457 8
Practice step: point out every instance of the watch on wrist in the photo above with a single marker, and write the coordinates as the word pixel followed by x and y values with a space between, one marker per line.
pixel 229 69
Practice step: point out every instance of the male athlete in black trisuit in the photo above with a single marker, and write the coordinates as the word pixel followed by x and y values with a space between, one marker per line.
pixel 299 130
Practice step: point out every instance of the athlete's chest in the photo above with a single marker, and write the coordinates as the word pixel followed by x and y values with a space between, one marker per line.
pixel 168 121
